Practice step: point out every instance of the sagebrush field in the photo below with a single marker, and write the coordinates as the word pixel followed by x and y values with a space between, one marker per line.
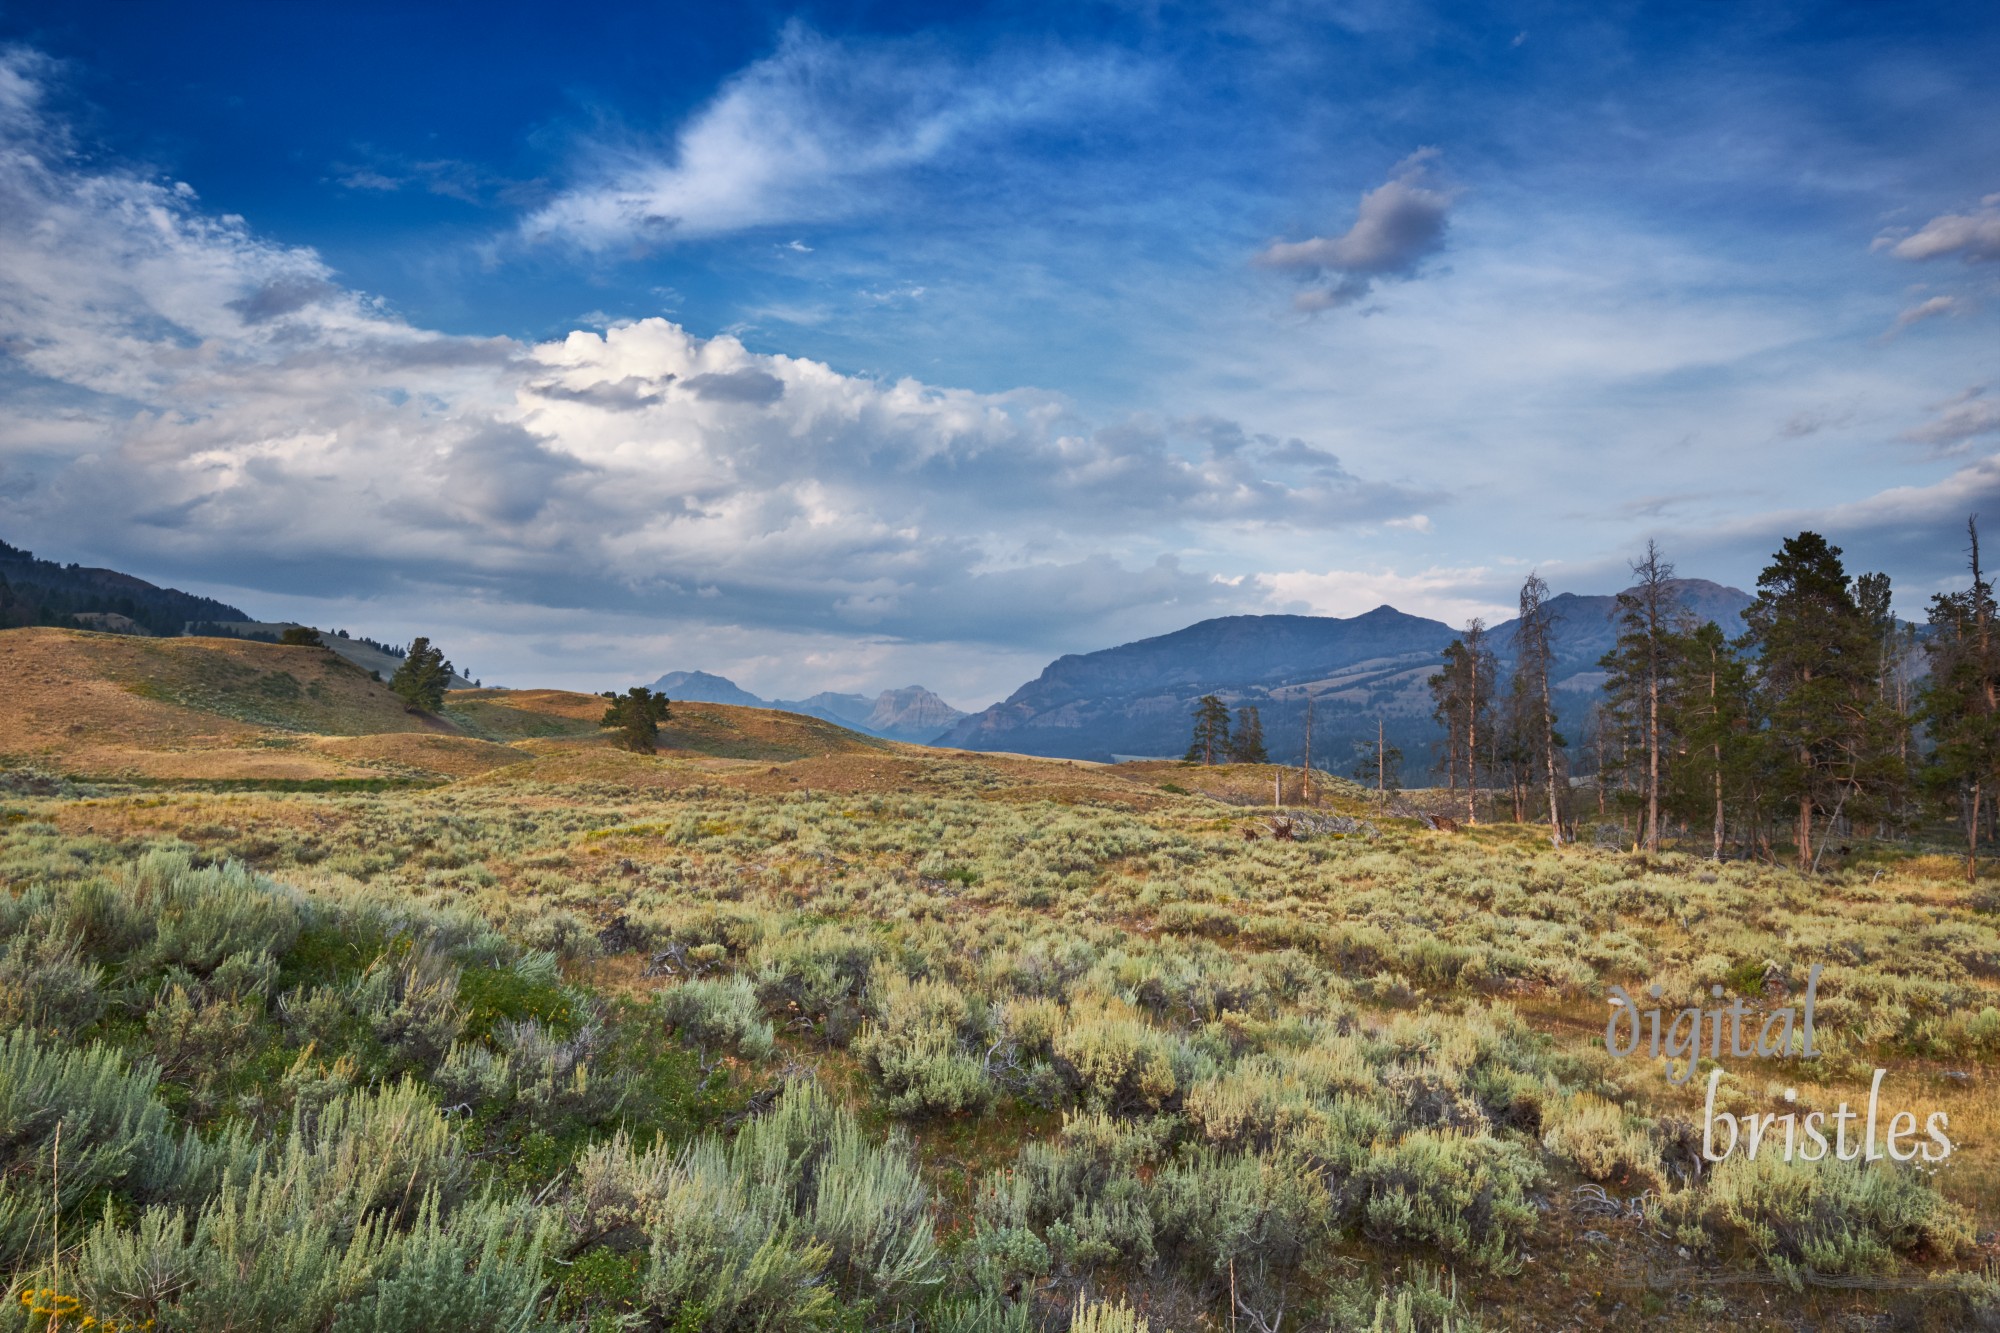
pixel 873 1036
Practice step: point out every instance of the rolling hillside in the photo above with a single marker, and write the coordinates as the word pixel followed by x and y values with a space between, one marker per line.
pixel 124 706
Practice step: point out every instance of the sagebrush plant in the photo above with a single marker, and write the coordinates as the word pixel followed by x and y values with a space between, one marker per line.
pixel 543 1055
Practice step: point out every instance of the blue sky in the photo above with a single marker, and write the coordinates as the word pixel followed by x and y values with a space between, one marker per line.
pixel 839 347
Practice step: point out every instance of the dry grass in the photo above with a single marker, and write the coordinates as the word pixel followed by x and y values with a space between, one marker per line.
pixel 1120 910
pixel 117 705
pixel 424 755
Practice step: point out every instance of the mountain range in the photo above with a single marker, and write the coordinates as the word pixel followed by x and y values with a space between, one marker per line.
pixel 1136 699
pixel 1133 700
pixel 912 713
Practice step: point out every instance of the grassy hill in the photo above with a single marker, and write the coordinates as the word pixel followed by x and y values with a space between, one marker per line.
pixel 105 704
pixel 113 705
pixel 722 731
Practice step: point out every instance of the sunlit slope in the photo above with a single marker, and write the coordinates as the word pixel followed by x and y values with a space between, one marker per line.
pixel 561 728
pixel 110 704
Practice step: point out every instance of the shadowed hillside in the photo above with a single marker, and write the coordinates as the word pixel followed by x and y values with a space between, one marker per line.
pixel 42 592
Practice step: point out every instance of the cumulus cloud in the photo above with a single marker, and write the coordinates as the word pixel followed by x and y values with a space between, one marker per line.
pixel 1974 237
pixel 1398 225
pixel 754 387
pixel 203 402
pixel 813 131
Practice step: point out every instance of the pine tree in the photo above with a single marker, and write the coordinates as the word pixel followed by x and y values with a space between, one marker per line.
pixel 1709 717
pixel 637 714
pixel 1960 703
pixel 1211 731
pixel 1461 694
pixel 423 677
pixel 1647 613
pixel 1816 673
pixel 1534 664
pixel 1247 746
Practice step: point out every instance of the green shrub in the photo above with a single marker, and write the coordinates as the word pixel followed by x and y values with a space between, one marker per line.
pixel 763 1231
pixel 1466 1196
pixel 1106 1317
pixel 914 1051
pixel 1605 1144
pixel 1116 1062
pixel 717 1014
pixel 1830 1216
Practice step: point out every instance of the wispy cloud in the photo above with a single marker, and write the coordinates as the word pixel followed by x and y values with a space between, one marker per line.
pixel 1933 307
pixel 819 129
pixel 1959 421
pixel 1973 237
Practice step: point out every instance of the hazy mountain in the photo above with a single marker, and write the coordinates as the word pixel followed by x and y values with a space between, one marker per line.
pixel 702 688
pixel 849 710
pixel 1136 699
pixel 909 714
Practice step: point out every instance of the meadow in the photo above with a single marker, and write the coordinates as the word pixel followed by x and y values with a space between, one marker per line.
pixel 907 1039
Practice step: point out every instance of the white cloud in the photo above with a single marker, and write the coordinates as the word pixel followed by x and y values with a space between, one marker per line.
pixel 813 131
pixel 1398 225
pixel 1932 308
pixel 1973 237
pixel 1452 595
pixel 205 401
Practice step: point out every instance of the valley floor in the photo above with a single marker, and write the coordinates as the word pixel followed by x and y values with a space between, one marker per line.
pixel 896 1038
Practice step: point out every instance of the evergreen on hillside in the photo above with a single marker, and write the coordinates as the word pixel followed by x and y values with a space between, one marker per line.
pixel 1211 731
pixel 637 714
pixel 424 676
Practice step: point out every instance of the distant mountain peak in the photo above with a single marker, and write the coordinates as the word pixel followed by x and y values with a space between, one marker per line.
pixel 912 713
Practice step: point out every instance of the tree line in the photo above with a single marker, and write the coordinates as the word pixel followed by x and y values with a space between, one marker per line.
pixel 1823 715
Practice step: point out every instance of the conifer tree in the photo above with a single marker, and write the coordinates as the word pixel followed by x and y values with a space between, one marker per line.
pixel 1816 673
pixel 1211 731
pixel 1638 666
pixel 1960 703
pixel 423 677
pixel 1534 664
pixel 637 714
pixel 1709 717
pixel 1461 694
pixel 1247 745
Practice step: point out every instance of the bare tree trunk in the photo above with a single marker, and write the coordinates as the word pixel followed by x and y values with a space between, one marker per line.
pixel 1600 763
pixel 1305 779
pixel 1472 734
pixel 1718 803
pixel 1972 839
pixel 1381 767
pixel 1805 832
pixel 1549 757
